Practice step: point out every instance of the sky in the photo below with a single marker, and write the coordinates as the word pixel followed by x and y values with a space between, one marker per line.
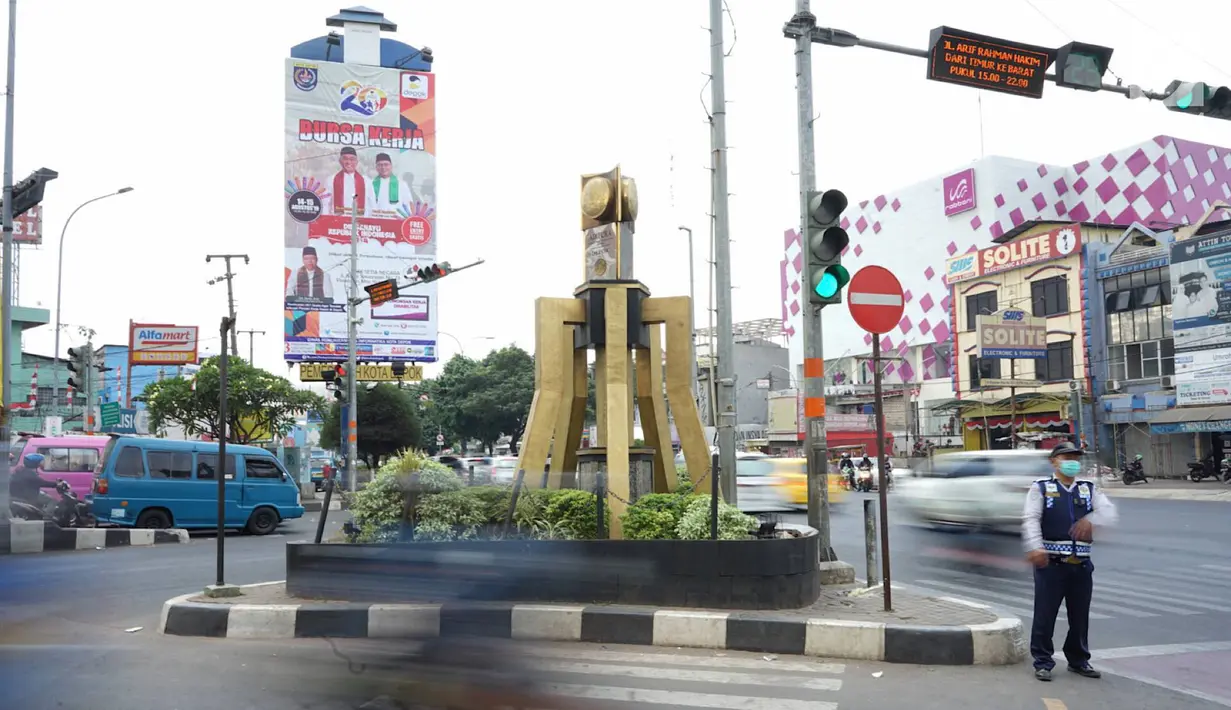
pixel 186 106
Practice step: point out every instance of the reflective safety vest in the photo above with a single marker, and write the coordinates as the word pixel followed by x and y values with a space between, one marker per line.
pixel 1061 509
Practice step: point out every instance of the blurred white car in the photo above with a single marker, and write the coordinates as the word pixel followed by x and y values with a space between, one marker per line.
pixel 759 488
pixel 504 470
pixel 973 488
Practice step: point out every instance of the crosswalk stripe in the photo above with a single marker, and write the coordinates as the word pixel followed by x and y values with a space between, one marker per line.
pixel 1167 599
pixel 1004 601
pixel 1160 581
pixel 676 697
pixel 1123 603
pixel 1222 568
pixel 659 659
pixel 1213 573
pixel 659 673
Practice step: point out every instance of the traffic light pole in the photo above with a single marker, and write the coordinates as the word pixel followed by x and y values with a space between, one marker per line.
pixel 6 318
pixel 352 346
pixel 814 357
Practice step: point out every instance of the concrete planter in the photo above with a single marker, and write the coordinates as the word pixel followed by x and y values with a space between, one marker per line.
pixel 779 573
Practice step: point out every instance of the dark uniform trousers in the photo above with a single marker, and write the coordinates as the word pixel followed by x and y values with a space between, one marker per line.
pixel 1068 577
pixel 1073 585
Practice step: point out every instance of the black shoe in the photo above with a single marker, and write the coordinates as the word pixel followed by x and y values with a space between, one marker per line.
pixel 1042 674
pixel 1086 671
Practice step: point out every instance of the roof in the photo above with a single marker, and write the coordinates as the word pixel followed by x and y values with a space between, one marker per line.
pixel 1192 414
pixel 762 328
pixel 362 15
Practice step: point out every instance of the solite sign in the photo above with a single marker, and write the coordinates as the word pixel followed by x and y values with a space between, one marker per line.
pixel 1035 249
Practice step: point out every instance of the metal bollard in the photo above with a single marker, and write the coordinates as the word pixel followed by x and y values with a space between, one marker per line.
pixel 508 518
pixel 600 497
pixel 714 497
pixel 869 540
pixel 470 481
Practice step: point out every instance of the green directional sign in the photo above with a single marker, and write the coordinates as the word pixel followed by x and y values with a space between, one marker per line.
pixel 109 414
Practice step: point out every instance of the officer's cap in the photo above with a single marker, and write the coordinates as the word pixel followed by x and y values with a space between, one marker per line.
pixel 1065 447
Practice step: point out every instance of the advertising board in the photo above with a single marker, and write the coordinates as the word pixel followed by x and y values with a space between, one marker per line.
pixel 161 344
pixel 1011 333
pixel 1201 299
pixel 28 228
pixel 1026 251
pixel 959 192
pixel 360 140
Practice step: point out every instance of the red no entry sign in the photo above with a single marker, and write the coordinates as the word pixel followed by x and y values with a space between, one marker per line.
pixel 875 299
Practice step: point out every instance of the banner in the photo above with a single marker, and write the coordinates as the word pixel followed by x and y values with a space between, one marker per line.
pixel 1025 251
pixel 160 344
pixel 1200 297
pixel 361 141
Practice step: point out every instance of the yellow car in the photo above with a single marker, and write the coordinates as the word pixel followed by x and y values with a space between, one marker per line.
pixel 794 474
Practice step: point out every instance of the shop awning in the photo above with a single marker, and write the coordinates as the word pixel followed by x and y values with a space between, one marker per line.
pixel 1191 420
pixel 1034 421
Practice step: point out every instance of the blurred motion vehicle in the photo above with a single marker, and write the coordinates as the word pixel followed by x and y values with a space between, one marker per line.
pixel 482 466
pixel 70 458
pixel 794 474
pixel 984 489
pixel 761 484
pixel 504 470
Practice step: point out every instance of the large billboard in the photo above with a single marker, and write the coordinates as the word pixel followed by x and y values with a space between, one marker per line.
pixel 161 344
pixel 1201 293
pixel 361 141
pixel 1056 244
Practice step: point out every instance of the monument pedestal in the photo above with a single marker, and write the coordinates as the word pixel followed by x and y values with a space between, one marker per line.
pixel 593 461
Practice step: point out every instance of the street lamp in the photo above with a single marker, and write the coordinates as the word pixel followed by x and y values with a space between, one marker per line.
pixel 692 305
pixel 461 349
pixel 55 368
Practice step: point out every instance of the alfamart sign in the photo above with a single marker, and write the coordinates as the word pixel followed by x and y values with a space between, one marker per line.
pixel 1026 251
pixel 1011 334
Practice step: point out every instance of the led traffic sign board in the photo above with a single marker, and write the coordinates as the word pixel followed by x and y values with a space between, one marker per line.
pixel 382 291
pixel 323 372
pixel 969 59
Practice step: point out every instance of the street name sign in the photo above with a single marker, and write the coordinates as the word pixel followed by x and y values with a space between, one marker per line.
pixel 970 59
pixel 317 371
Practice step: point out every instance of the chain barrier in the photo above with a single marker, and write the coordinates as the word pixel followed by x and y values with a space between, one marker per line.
pixel 683 501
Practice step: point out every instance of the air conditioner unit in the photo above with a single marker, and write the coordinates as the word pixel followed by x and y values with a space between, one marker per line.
pixel 1114 385
pixel 1074 385
pixel 1169 381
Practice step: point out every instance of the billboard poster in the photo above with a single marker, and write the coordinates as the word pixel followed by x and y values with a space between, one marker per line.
pixel 28 228
pixel 1201 293
pixel 360 142
pixel 1203 376
pixel 1012 333
pixel 959 192
pixel 1026 251
pixel 161 344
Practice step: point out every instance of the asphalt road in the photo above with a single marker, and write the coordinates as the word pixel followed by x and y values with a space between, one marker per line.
pixel 1161 585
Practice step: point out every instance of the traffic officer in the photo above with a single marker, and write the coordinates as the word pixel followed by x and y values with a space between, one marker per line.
pixel 1057 530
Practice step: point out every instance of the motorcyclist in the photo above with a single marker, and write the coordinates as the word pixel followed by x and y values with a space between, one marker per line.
pixel 847 466
pixel 865 463
pixel 25 482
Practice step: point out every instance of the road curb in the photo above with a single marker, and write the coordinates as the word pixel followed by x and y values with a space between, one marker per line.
pixel 26 537
pixel 997 643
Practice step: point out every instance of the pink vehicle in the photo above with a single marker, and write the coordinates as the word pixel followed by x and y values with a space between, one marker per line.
pixel 69 457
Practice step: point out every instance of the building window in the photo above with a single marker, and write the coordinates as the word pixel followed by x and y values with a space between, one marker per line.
pixel 1050 297
pixel 1140 324
pixel 1141 361
pixel 1058 365
pixel 982 369
pixel 980 304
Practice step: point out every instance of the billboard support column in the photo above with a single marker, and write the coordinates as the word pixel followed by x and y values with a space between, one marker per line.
pixel 128 370
pixel 352 346
pixel 6 299
pixel 1013 404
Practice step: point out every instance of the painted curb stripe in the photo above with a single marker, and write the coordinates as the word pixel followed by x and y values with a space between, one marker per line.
pixel 57 539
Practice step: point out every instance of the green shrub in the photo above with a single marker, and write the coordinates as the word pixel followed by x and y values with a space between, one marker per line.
pixel 654 516
pixel 532 506
pixel 695 523
pixel 576 513
pixel 452 515
pixel 437 478
pixel 495 501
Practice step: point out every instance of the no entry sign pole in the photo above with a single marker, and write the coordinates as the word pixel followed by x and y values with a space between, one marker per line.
pixel 875 301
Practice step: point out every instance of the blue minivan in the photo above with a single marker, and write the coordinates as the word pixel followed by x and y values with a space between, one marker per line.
pixel 160 483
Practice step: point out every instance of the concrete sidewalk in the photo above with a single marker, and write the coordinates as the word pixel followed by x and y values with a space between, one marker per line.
pixel 1170 489
pixel 846 622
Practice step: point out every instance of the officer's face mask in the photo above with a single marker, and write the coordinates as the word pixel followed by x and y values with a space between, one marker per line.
pixel 1070 468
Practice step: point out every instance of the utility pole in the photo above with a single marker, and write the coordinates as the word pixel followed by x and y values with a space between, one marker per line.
pixel 89 386
pixel 229 277
pixel 352 347
pixel 251 346
pixel 722 255
pixel 6 318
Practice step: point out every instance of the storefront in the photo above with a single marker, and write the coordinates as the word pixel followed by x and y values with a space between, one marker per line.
pixel 1194 433
pixel 1031 421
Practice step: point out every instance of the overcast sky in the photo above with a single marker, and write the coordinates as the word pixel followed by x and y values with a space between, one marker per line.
pixel 185 104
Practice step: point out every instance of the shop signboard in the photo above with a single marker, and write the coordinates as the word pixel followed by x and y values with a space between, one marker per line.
pixel 1025 251
pixel 1011 333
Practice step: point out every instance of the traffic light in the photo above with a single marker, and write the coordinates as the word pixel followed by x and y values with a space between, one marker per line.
pixel 78 364
pixel 433 272
pixel 826 241
pixel 29 192
pixel 1198 98
pixel 341 386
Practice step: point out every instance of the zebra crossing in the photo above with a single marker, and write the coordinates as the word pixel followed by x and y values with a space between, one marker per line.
pixel 679 679
pixel 1136 593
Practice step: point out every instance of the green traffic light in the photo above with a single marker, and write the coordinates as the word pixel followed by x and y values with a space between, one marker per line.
pixel 832 281
pixel 1185 102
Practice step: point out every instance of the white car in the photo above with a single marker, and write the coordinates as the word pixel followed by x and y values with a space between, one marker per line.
pixel 758 489
pixel 504 470
pixel 973 488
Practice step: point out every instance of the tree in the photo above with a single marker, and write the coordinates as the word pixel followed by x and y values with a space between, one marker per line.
pixel 388 422
pixel 503 394
pixel 260 404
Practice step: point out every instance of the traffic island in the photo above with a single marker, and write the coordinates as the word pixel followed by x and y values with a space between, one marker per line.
pixel 27 536
pixel 844 622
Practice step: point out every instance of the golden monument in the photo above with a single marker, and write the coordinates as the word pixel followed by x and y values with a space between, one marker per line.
pixel 613 314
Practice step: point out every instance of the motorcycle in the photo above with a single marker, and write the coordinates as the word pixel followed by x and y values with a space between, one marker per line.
pixel 1133 473
pixel 70 511
pixel 863 481
pixel 1200 470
